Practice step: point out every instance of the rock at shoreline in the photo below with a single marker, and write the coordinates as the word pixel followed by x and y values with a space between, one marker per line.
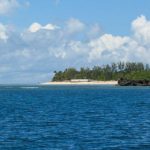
pixel 126 82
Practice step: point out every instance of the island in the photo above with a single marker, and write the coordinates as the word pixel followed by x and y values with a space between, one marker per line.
pixel 121 73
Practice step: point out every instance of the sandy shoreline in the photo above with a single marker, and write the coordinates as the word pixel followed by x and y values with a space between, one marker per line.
pixel 82 83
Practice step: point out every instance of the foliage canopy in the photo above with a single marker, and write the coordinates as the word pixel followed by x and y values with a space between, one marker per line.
pixel 114 71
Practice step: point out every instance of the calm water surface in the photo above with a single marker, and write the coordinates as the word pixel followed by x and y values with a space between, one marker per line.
pixel 74 118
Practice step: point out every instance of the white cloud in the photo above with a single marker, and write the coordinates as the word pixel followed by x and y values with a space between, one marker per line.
pixel 94 31
pixel 60 54
pixel 36 27
pixel 106 45
pixel 74 26
pixel 3 34
pixel 7 6
pixel 141 28
pixel 32 56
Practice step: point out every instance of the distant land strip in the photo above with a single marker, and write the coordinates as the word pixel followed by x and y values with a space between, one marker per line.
pixel 110 72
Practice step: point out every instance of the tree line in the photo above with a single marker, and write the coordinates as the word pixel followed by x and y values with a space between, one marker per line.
pixel 114 71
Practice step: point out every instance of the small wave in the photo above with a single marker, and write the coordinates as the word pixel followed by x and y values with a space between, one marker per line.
pixel 33 87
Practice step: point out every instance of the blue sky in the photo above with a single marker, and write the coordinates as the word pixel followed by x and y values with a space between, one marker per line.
pixel 40 36
pixel 114 16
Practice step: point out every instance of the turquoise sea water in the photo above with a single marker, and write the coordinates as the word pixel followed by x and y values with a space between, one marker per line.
pixel 74 118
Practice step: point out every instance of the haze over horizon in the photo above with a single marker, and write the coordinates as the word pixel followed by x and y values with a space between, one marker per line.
pixel 38 37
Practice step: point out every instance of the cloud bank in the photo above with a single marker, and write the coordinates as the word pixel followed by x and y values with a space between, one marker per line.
pixel 32 55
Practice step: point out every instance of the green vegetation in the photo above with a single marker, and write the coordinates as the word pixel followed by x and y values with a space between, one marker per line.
pixel 128 70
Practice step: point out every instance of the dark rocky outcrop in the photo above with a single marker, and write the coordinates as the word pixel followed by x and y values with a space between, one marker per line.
pixel 127 82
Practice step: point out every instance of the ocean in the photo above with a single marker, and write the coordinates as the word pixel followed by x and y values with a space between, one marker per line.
pixel 74 118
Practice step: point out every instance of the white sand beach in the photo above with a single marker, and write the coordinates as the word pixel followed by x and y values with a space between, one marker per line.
pixel 81 83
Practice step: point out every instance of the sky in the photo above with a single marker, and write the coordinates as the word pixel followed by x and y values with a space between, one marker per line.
pixel 38 37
